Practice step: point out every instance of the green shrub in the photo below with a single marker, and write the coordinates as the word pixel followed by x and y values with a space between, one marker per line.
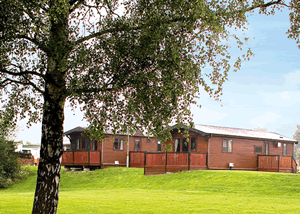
pixel 10 169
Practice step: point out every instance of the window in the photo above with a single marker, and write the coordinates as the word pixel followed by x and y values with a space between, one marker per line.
pixel 193 143
pixel 185 145
pixel 118 144
pixel 95 145
pixel 137 146
pixel 267 148
pixel 158 146
pixel 177 145
pixel 78 144
pixel 227 145
pixel 82 143
pixel 257 149
pixel 284 149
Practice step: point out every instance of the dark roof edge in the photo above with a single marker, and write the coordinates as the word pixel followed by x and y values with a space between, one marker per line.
pixel 190 129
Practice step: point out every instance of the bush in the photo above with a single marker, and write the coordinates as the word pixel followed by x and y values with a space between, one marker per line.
pixel 10 169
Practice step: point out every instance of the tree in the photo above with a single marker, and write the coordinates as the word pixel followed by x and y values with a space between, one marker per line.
pixel 133 64
pixel 9 165
pixel 297 146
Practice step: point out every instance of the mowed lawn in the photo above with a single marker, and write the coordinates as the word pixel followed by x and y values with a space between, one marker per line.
pixel 122 190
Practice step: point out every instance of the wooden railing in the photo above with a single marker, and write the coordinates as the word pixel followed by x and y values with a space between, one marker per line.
pixel 81 158
pixel 164 162
pixel 276 163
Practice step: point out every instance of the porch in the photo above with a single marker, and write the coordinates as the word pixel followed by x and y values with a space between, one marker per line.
pixel 81 159
pixel 276 163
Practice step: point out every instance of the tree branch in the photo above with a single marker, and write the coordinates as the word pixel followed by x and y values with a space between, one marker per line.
pixel 21 83
pixel 75 4
pixel 278 2
pixel 21 73
pixel 34 41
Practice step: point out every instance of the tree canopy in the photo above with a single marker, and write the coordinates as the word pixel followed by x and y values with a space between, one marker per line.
pixel 132 64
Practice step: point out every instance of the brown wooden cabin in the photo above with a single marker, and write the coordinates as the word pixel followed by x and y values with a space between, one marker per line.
pixel 241 149
pixel 112 151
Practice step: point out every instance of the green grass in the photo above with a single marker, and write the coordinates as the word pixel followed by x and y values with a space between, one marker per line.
pixel 122 190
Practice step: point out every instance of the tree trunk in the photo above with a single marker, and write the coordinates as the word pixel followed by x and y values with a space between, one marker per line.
pixel 46 193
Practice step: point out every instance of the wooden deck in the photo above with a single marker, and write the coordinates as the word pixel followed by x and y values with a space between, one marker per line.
pixel 276 163
pixel 166 162
pixel 81 159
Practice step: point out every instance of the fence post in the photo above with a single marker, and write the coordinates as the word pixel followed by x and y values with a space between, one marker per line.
pixel 166 163
pixel 144 163
pixel 73 158
pixel 189 160
pixel 278 163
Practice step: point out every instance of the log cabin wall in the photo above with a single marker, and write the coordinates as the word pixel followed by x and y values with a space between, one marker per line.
pixel 243 154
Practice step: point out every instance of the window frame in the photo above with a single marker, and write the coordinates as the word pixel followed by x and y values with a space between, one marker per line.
pixel 228 145
pixel 178 145
pixel 95 145
pixel 193 148
pixel 135 147
pixel 120 144
pixel 159 146
pixel 255 152
pixel 284 149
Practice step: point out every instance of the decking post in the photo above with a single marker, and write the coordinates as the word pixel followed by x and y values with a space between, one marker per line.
pixel 189 160
pixel 166 162
pixel 89 156
pixel 207 160
pixel 278 163
pixel 73 158
pixel 257 162
pixel 144 163
pixel 100 159
pixel 292 164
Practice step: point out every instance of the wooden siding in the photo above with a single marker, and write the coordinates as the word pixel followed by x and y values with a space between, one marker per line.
pixel 242 155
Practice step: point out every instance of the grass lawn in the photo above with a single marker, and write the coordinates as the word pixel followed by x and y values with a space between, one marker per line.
pixel 122 190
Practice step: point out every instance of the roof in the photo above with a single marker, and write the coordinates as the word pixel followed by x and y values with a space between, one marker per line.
pixel 238 132
pixel 81 129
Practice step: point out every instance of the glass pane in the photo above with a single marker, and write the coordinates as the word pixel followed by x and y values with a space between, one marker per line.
pixel 121 144
pixel 116 144
pixel 258 150
pixel 137 146
pixel 229 145
pixel 224 145
pixel 284 149
pixel 185 145
pixel 193 143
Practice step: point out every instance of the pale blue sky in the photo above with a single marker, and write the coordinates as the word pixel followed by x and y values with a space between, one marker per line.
pixel 265 93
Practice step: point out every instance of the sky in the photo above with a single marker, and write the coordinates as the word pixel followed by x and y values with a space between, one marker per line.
pixel 264 93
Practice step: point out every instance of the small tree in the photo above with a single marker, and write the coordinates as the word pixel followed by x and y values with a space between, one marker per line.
pixel 297 146
pixel 9 165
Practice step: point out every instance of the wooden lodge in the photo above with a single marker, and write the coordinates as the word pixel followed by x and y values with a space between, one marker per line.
pixel 207 147
pixel 240 149
pixel 112 151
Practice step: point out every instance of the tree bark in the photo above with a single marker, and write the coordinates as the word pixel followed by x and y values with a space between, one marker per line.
pixel 46 193
pixel 48 176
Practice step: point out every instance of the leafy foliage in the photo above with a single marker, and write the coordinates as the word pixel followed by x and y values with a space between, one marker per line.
pixel 130 65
